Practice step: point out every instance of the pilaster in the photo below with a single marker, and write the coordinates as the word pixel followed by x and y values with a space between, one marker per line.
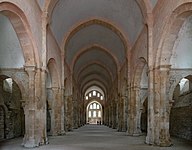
pixel 164 107
pixel 57 128
pixel 30 108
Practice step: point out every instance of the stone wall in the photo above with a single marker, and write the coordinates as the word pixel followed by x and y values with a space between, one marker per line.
pixel 181 122
pixel 2 123
pixel 144 116
pixel 181 117
pixel 11 113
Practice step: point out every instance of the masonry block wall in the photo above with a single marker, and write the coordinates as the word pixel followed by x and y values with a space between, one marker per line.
pixel 11 113
pixel 181 117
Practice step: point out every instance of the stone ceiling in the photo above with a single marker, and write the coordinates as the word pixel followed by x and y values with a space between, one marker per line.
pixel 95 36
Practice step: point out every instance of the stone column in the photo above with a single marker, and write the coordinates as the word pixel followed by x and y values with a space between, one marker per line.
pixel 124 105
pixel 137 112
pixel 110 115
pixel 128 132
pixel 69 113
pixel 82 121
pixel 117 113
pixel 150 124
pixel 65 112
pixel 40 87
pixel 126 109
pixel 29 110
pixel 164 110
pixel 83 113
pixel 107 115
pixel 131 112
pixel 114 115
pixel 75 114
pixel 62 111
pixel 150 115
pixel 41 112
pixel 56 112
pixel 121 114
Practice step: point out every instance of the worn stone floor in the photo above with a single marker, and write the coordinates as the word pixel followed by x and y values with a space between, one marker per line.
pixel 96 137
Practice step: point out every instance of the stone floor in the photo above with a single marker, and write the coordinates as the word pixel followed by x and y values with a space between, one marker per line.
pixel 96 137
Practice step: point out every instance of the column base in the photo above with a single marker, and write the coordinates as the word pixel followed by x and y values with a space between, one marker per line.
pixel 166 144
pixel 61 133
pixel 44 141
pixel 136 134
pixel 149 141
pixel 128 134
pixel 30 143
pixel 133 134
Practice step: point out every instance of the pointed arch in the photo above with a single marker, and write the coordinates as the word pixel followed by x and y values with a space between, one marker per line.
pixel 95 46
pixel 23 31
pixel 171 30
pixel 138 71
pixel 102 22
pixel 53 71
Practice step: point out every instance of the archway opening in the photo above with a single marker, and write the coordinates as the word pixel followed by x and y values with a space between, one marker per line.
pixel 144 114
pixel 181 111
pixel 12 119
pixel 94 113
pixel 48 103
pixel 52 86
pixel 2 123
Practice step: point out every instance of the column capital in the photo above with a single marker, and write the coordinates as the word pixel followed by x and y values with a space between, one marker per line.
pixel 44 15
pixel 55 88
pixel 135 87
pixel 163 67
pixel 149 19
pixel 44 69
pixel 23 103
pixel 30 69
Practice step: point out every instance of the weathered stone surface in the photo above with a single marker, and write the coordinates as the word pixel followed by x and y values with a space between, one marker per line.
pixel 135 53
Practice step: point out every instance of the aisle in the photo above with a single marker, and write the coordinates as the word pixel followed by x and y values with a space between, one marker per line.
pixel 95 137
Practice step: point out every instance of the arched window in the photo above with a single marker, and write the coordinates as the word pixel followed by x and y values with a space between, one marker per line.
pixel 90 94
pixel 94 114
pixel 7 85
pixel 184 85
pixel 98 94
pixel 90 114
pixel 94 106
pixel 99 113
pixel 94 93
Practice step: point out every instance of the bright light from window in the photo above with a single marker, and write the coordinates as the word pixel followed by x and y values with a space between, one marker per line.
pixel 99 113
pixel 101 97
pixel 98 94
pixel 87 98
pixel 97 106
pixel 184 85
pixel 94 114
pixel 94 106
pixel 89 94
pixel 94 93
pixel 89 113
pixel 91 106
pixel 7 85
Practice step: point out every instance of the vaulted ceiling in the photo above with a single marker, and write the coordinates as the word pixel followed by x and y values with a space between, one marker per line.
pixel 95 36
